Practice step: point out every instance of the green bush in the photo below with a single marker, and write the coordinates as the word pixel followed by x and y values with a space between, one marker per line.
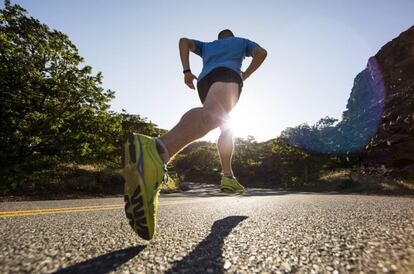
pixel 53 110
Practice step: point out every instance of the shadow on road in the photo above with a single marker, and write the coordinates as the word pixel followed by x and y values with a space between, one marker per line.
pixel 211 190
pixel 105 263
pixel 208 253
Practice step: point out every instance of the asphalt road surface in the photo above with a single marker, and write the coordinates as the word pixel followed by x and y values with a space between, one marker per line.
pixel 205 232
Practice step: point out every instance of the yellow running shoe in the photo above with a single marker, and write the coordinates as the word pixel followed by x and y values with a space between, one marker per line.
pixel 143 171
pixel 231 185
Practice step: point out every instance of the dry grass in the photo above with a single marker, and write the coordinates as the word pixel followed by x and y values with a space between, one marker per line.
pixel 336 175
pixel 361 182
pixel 171 186
pixel 91 168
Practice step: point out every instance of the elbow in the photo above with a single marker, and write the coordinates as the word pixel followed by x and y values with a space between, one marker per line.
pixel 263 53
pixel 259 53
pixel 183 41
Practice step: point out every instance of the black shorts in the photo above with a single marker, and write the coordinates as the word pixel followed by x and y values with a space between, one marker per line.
pixel 220 74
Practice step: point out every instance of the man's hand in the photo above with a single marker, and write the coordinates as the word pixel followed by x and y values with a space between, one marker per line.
pixel 185 46
pixel 188 79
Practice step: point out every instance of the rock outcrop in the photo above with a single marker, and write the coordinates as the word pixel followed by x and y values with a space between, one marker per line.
pixel 378 125
pixel 392 72
pixel 361 119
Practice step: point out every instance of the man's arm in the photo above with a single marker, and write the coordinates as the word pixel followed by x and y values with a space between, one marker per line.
pixel 185 46
pixel 259 55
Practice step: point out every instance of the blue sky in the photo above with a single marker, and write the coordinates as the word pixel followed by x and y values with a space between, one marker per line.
pixel 315 49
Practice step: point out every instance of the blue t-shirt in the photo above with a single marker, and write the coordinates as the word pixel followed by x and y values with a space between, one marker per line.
pixel 227 52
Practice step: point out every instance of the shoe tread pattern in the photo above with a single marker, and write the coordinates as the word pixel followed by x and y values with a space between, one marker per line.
pixel 134 204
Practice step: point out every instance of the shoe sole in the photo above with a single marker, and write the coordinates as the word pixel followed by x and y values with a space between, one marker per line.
pixel 136 202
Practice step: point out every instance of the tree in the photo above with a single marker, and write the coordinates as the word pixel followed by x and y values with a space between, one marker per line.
pixel 135 123
pixel 320 138
pixel 202 163
pixel 52 108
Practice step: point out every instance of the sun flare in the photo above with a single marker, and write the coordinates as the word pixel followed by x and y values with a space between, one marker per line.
pixel 241 122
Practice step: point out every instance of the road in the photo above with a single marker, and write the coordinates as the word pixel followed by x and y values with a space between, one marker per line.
pixel 205 232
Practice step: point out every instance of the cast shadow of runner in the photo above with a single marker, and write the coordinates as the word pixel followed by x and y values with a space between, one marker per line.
pixel 105 263
pixel 208 253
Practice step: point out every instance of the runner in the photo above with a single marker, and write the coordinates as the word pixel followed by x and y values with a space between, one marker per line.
pixel 219 87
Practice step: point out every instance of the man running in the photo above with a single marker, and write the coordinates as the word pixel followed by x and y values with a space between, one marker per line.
pixel 219 86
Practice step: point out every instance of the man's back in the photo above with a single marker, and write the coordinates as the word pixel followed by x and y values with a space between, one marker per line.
pixel 226 52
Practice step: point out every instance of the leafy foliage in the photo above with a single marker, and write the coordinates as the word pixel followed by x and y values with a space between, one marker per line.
pixel 321 137
pixel 270 164
pixel 135 123
pixel 201 163
pixel 53 109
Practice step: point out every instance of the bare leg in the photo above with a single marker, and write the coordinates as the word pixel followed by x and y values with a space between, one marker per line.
pixel 197 122
pixel 225 148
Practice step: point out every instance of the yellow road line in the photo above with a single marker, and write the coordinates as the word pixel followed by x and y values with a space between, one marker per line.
pixel 57 209
pixel 46 211
pixel 17 214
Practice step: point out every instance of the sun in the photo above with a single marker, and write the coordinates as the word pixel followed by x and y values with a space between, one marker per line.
pixel 242 121
pixel 250 117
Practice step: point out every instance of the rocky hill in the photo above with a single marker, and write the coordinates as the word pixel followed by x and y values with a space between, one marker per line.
pixel 392 72
pixel 377 126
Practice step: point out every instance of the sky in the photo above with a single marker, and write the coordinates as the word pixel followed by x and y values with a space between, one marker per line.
pixel 315 50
